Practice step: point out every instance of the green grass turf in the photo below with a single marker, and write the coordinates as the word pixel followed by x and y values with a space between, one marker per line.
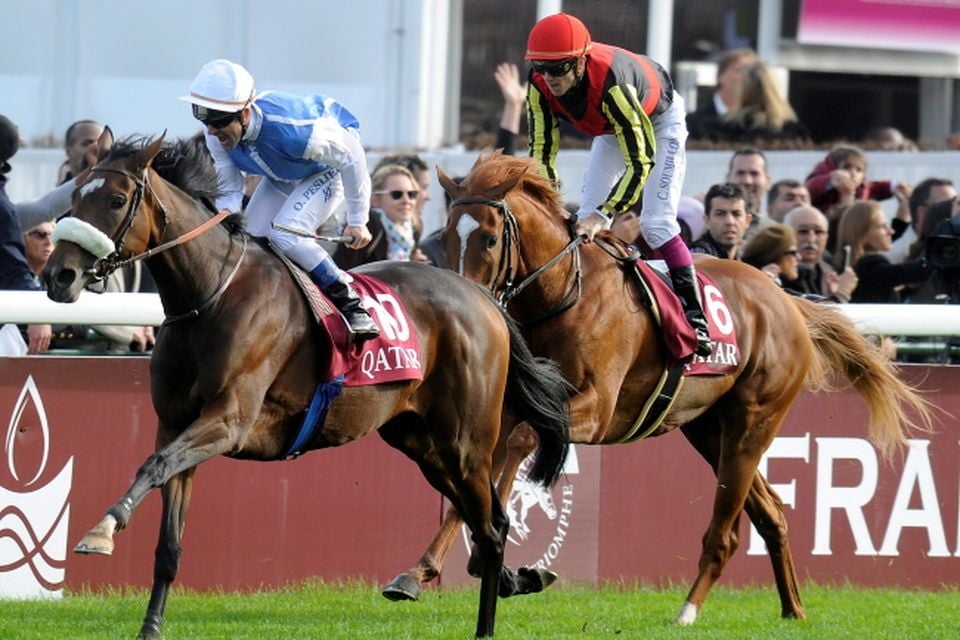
pixel 357 611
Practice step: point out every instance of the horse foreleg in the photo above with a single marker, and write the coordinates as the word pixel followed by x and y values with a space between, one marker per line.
pixel 186 451
pixel 407 585
pixel 176 500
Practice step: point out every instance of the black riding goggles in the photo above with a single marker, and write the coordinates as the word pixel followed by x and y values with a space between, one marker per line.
pixel 214 118
pixel 553 67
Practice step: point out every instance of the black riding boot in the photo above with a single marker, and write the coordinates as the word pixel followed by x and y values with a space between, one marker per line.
pixel 347 301
pixel 685 285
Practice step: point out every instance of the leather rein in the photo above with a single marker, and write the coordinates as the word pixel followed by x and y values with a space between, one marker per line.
pixel 103 267
pixel 508 267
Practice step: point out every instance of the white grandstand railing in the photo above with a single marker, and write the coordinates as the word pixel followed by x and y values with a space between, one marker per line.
pixel 33 307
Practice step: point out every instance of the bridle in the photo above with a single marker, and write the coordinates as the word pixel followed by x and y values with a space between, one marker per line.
pixel 507 272
pixel 103 267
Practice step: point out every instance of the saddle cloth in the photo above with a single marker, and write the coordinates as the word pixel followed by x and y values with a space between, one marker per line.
pixel 679 336
pixel 392 356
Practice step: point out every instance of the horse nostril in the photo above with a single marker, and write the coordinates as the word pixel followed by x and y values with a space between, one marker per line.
pixel 65 277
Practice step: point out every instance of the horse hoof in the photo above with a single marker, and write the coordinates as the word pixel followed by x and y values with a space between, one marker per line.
pixel 687 615
pixel 403 587
pixel 93 543
pixel 537 579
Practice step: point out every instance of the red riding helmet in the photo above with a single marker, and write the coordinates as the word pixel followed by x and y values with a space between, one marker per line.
pixel 558 37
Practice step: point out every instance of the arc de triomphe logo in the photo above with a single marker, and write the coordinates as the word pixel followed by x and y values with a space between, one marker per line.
pixel 34 511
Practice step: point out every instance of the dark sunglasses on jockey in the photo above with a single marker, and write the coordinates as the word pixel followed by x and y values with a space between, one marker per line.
pixel 396 194
pixel 214 118
pixel 554 68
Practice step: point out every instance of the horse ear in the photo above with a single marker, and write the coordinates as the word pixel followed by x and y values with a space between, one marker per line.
pixel 485 154
pixel 104 143
pixel 502 189
pixel 95 153
pixel 453 188
pixel 149 152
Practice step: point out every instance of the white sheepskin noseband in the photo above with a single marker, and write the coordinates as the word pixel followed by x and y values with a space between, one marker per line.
pixel 84 234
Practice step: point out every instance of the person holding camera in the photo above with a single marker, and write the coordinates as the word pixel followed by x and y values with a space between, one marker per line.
pixel 939 246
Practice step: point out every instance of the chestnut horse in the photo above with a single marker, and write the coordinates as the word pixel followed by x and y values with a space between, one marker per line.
pixel 240 356
pixel 508 231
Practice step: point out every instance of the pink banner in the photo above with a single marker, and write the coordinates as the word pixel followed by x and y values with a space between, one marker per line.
pixel 918 25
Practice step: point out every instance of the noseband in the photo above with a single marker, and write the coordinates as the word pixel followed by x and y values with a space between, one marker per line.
pixel 508 269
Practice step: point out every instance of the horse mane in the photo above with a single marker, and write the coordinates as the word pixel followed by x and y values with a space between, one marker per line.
pixel 186 163
pixel 494 169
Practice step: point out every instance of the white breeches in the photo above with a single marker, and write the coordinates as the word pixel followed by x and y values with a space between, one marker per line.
pixel 661 193
pixel 306 205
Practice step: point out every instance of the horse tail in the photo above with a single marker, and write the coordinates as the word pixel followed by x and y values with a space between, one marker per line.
pixel 537 393
pixel 895 406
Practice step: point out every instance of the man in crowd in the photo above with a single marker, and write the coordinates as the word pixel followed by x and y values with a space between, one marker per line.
pixel 816 275
pixel 727 219
pixel 748 168
pixel 784 196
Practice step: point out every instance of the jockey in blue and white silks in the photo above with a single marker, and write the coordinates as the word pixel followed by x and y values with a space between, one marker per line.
pixel 307 150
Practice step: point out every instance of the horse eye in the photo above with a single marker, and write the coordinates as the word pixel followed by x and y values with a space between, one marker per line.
pixel 490 242
pixel 118 201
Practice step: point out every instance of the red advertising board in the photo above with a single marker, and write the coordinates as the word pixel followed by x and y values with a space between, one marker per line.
pixel 78 428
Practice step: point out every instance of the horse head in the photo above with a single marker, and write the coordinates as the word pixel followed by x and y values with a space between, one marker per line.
pixel 104 226
pixel 505 221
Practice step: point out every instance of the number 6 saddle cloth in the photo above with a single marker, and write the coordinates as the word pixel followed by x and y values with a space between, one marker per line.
pixel 680 341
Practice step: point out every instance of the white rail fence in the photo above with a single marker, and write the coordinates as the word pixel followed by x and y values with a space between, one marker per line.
pixel 33 307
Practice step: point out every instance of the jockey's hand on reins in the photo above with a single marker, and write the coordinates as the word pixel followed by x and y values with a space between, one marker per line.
pixel 588 226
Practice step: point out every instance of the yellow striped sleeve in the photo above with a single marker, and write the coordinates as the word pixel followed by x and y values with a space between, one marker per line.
pixel 543 132
pixel 634 133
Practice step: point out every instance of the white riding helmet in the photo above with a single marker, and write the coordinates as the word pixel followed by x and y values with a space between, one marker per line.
pixel 221 86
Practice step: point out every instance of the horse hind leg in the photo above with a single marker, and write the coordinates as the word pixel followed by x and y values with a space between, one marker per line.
pixel 408 585
pixel 766 512
pixel 739 487
pixel 521 441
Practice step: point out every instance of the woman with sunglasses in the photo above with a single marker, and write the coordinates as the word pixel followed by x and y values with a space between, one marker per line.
pixel 626 101
pixel 392 223
pixel 307 148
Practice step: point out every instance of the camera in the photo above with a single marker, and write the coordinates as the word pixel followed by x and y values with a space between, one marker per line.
pixel 943 252
pixel 942 248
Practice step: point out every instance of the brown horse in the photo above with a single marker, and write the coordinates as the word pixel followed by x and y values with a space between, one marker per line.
pixel 237 362
pixel 508 230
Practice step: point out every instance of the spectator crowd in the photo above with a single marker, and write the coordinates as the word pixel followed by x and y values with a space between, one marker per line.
pixel 824 235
